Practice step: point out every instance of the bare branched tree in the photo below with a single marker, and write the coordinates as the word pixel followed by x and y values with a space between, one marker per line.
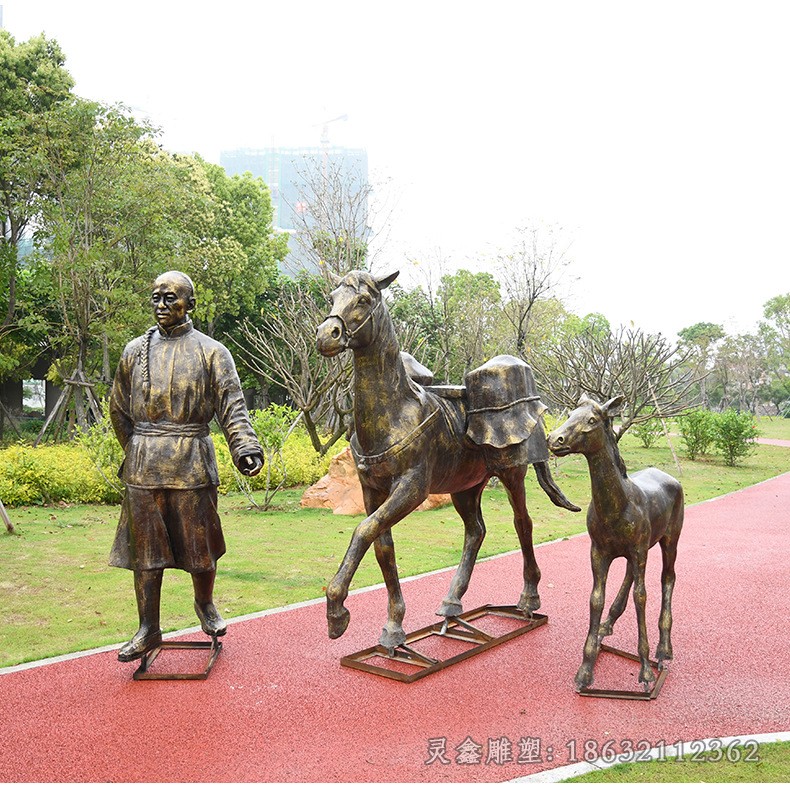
pixel 532 269
pixel 282 349
pixel 643 367
pixel 335 218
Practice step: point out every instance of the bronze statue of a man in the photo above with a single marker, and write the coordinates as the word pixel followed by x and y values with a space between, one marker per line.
pixel 169 385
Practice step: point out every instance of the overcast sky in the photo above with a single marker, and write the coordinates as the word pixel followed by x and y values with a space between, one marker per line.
pixel 656 134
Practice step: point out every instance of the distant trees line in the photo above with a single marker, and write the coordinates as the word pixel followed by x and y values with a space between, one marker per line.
pixel 107 209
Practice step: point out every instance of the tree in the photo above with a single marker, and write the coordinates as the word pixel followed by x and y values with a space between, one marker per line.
pixel 236 262
pixel 33 83
pixel 775 333
pixel 471 312
pixel 700 340
pixel 280 346
pixel 115 212
pixel 741 371
pixel 643 367
pixel 334 215
pixel 530 271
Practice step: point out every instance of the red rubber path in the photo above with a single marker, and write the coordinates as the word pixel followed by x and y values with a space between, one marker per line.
pixel 278 706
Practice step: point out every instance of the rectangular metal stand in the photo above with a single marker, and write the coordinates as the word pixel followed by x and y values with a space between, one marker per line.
pixel 459 628
pixel 142 673
pixel 618 694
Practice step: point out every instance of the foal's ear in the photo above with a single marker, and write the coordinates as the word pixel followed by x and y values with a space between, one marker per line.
pixel 612 407
pixel 384 282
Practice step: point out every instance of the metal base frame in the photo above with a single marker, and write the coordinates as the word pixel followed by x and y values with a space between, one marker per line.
pixel 142 672
pixel 459 628
pixel 618 694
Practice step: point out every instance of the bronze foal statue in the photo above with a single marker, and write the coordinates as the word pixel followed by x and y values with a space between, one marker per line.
pixel 627 516
pixel 411 440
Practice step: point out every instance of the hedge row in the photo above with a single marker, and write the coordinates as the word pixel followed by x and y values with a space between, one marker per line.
pixel 66 472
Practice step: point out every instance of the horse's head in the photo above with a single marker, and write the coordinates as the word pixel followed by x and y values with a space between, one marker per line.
pixel 586 429
pixel 356 303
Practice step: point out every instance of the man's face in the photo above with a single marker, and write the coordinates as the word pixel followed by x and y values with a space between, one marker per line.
pixel 171 300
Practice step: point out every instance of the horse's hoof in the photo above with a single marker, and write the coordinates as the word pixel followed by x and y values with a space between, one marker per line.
pixel 529 604
pixel 663 654
pixel 450 608
pixel 392 639
pixel 584 678
pixel 647 677
pixel 338 623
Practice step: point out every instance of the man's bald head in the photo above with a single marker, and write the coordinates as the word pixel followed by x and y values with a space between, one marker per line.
pixel 173 297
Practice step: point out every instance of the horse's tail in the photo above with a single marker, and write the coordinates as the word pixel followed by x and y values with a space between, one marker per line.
pixel 549 486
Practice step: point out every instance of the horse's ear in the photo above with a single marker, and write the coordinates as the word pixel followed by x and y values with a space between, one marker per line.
pixel 384 282
pixel 584 399
pixel 612 406
pixel 334 279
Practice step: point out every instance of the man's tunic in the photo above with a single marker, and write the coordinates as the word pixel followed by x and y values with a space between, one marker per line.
pixel 168 387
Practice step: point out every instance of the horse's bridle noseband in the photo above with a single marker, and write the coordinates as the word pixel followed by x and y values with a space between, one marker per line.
pixel 351 334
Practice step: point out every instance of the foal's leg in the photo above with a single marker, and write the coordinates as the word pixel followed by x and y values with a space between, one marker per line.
pixel 513 479
pixel 669 551
pixel 619 603
pixel 600 566
pixel 406 496
pixel 467 504
pixel 646 675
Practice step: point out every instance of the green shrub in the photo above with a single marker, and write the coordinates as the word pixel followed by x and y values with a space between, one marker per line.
pixel 48 474
pixel 86 472
pixel 103 448
pixel 647 432
pixel 697 429
pixel 734 435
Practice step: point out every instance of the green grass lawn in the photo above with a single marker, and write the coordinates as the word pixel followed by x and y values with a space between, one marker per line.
pixel 776 428
pixel 770 763
pixel 60 596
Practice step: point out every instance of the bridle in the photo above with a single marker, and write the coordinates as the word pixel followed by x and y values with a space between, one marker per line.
pixel 350 334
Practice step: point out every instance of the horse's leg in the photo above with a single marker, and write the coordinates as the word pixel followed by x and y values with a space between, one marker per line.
pixel 467 504
pixel 600 567
pixel 392 634
pixel 513 479
pixel 619 603
pixel 639 563
pixel 669 551
pixel 405 497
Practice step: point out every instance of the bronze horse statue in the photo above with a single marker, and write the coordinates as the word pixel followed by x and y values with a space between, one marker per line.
pixel 410 441
pixel 627 516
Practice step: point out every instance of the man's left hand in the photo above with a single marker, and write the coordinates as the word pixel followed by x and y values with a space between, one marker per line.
pixel 251 464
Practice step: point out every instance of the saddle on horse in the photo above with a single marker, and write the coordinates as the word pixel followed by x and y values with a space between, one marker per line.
pixel 503 409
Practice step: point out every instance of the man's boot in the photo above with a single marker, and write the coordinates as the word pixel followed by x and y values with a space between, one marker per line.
pixel 147 590
pixel 210 619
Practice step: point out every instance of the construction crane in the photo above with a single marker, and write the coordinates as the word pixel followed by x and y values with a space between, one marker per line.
pixel 325 129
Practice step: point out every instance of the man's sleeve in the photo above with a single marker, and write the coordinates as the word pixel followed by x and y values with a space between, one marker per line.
pixel 231 409
pixel 121 398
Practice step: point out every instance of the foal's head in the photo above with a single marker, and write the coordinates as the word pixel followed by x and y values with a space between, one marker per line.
pixel 588 429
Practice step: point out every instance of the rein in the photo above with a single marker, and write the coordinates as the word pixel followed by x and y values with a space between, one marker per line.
pixel 375 459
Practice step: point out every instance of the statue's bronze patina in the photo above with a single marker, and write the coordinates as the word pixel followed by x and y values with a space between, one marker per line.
pixel 412 439
pixel 627 516
pixel 169 385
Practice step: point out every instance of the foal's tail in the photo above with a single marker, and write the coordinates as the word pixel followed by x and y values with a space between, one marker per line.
pixel 549 486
